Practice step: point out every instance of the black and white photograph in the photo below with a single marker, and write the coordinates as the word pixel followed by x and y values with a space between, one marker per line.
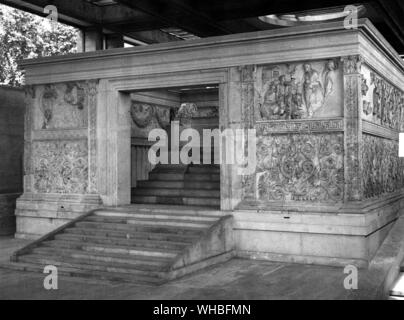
pixel 203 155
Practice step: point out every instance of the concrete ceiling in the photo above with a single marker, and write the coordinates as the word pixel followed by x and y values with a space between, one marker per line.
pixel 154 21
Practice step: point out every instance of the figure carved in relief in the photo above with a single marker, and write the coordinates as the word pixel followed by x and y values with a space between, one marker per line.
pixel 313 90
pixel 48 100
pixel 364 86
pixel 75 95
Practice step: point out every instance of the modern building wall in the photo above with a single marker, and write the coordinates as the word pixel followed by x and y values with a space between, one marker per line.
pixel 12 108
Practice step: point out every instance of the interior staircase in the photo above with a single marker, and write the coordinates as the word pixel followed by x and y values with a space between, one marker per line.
pixel 195 185
pixel 141 244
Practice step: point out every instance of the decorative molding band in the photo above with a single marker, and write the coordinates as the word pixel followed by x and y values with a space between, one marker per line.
pixel 70 134
pixel 377 130
pixel 299 126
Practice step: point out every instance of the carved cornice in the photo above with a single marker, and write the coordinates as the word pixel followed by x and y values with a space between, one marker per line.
pixel 377 130
pixel 299 126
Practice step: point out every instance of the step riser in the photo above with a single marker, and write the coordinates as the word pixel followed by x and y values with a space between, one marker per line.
pixel 208 202
pixel 100 248
pixel 93 267
pixel 122 242
pixel 179 185
pixel 210 219
pixel 147 221
pixel 188 177
pixel 151 264
pixel 176 193
pixel 141 228
pixel 131 235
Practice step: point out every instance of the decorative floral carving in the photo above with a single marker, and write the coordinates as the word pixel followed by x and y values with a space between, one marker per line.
pixel 383 170
pixel 300 167
pixel 60 166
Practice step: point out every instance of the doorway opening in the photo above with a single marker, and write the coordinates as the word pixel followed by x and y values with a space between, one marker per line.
pixel 185 171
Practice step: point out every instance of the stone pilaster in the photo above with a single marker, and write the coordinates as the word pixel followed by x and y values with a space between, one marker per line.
pixel 30 96
pixel 352 128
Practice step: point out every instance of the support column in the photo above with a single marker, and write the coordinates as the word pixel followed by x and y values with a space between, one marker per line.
pixel 352 128
pixel 93 39
pixel 114 41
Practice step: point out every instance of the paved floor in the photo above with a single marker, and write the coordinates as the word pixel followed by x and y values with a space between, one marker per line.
pixel 235 279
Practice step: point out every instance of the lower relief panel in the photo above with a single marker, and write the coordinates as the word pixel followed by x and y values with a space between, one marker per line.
pixel 298 167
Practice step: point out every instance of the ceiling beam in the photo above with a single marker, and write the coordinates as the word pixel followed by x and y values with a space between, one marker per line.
pixel 177 13
pixel 392 11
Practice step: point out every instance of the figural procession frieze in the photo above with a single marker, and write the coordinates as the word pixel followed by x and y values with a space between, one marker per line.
pixel 299 91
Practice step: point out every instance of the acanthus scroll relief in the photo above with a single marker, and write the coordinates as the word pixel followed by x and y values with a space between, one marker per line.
pixel 300 167
pixel 383 170
pixel 298 91
pixel 60 166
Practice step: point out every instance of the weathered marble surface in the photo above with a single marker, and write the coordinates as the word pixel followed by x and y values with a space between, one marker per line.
pixel 298 90
pixel 60 166
pixel 383 170
pixel 382 103
pixel 61 106
pixel 305 167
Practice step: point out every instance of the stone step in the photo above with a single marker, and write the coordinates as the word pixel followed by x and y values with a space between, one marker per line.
pixel 133 234
pixel 165 176
pixel 188 176
pixel 151 262
pixel 75 272
pixel 150 221
pixel 202 177
pixel 110 248
pixel 122 241
pixel 210 169
pixel 170 167
pixel 180 184
pixel 154 227
pixel 171 209
pixel 61 261
pixel 212 202
pixel 157 215
pixel 162 192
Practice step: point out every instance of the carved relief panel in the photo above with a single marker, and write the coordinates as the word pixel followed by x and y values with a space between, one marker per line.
pixel 298 90
pixel 300 167
pixel 146 116
pixel 60 166
pixel 382 103
pixel 383 170
pixel 61 106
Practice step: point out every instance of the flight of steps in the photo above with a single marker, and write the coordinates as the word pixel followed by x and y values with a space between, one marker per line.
pixel 397 292
pixel 132 245
pixel 197 185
